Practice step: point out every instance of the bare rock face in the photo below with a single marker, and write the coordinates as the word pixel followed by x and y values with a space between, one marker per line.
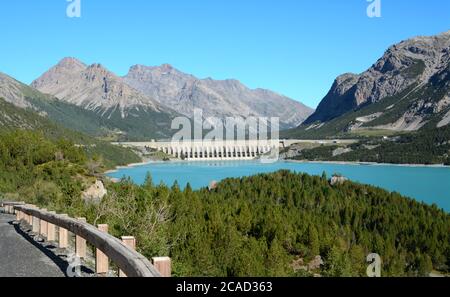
pixel 414 62
pixel 315 263
pixel 11 91
pixel 95 193
pixel 337 180
pixel 219 98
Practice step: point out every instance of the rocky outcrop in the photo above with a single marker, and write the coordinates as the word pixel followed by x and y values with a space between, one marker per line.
pixel 337 180
pixel 340 151
pixel 95 192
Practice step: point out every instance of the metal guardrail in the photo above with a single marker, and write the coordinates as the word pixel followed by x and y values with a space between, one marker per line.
pixel 122 253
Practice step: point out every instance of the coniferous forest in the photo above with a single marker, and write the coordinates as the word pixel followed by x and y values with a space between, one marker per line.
pixel 266 225
pixel 428 146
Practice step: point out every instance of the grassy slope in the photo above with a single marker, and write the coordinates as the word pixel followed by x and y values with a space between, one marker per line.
pixel 140 125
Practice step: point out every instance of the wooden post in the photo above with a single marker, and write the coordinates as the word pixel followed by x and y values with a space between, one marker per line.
pixel 36 225
pixel 44 225
pixel 21 214
pixel 101 260
pixel 80 243
pixel 30 217
pixel 130 242
pixel 163 265
pixel 18 215
pixel 51 230
pixel 63 236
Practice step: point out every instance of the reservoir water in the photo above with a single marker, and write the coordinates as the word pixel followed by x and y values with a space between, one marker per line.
pixel 427 184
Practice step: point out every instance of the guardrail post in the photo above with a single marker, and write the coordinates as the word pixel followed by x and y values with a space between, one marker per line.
pixel 18 215
pixel 163 265
pixel 44 226
pixel 101 260
pixel 63 236
pixel 30 217
pixel 130 242
pixel 51 230
pixel 36 225
pixel 80 243
pixel 21 214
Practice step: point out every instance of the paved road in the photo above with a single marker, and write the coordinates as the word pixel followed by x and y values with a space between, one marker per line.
pixel 22 257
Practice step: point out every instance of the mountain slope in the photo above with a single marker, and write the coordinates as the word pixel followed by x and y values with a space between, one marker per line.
pixel 13 117
pixel 151 124
pixel 119 107
pixel 69 115
pixel 184 92
pixel 406 90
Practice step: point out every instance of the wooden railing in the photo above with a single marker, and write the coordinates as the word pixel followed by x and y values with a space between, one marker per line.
pixel 8 206
pixel 122 253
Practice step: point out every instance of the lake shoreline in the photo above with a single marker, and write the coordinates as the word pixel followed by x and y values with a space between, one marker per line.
pixel 369 163
pixel 131 165
pixel 424 183
pixel 147 162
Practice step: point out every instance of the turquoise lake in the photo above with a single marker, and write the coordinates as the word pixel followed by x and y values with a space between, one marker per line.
pixel 427 184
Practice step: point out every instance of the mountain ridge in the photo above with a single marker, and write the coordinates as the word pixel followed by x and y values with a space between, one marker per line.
pixel 412 76
pixel 165 89
pixel 228 97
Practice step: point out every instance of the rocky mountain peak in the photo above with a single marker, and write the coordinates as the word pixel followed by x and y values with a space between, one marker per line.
pixel 72 63
pixel 412 61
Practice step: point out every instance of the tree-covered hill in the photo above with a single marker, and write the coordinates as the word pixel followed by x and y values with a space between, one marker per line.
pixel 263 225
pixel 427 146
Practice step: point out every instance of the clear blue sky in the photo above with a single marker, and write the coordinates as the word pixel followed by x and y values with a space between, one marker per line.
pixel 294 47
